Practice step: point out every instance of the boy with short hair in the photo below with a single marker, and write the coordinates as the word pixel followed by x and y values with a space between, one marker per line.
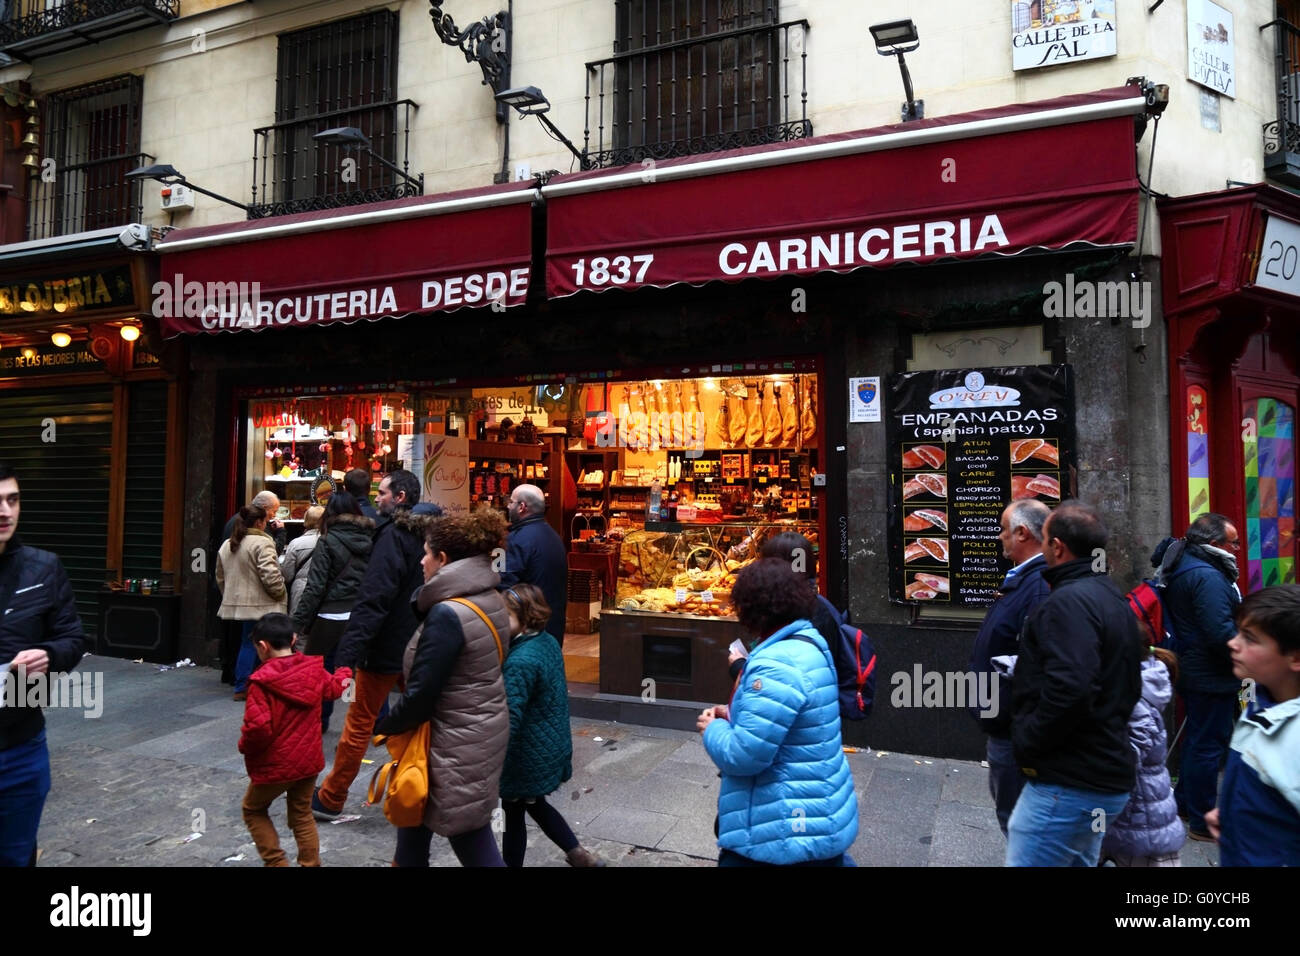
pixel 281 738
pixel 1257 821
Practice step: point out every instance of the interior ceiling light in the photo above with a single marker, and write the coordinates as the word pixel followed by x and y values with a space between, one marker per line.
pixel 61 339
pixel 29 352
pixel 130 332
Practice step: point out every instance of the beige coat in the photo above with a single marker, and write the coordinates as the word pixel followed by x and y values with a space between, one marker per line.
pixel 470 727
pixel 249 579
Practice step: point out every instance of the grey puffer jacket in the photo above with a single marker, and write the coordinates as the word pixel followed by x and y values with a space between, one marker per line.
pixel 453 679
pixel 1149 825
pixel 295 565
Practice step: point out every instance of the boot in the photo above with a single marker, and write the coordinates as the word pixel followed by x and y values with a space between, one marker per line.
pixel 581 856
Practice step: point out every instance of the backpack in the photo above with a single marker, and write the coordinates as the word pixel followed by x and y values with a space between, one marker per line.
pixel 1147 602
pixel 855 663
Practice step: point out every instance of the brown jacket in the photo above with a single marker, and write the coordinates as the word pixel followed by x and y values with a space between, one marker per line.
pixel 249 579
pixel 470 720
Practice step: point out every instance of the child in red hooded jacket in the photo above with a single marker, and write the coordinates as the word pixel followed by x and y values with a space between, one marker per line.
pixel 281 738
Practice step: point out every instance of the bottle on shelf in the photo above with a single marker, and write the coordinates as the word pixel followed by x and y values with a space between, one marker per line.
pixel 654 500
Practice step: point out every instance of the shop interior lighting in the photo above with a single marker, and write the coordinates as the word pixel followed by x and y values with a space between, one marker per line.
pixel 129 332
pixel 530 101
pixel 170 175
pixel 61 339
pixel 29 353
pixel 350 137
pixel 894 39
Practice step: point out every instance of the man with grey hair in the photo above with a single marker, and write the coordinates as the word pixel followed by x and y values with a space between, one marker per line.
pixel 1023 589
pixel 535 554
pixel 1201 596
pixel 269 502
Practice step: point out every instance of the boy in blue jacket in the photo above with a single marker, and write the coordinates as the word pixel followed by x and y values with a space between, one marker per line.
pixel 1257 821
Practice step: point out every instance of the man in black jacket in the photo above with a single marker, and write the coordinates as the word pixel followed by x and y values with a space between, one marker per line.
pixel 535 554
pixel 40 634
pixel 1076 680
pixel 381 625
pixel 1023 590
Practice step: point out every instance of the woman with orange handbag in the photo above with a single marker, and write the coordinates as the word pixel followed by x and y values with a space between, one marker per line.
pixel 452 671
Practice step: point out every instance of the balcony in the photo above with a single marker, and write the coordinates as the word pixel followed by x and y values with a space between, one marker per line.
pixel 1282 135
pixel 34 28
pixel 293 173
pixel 738 87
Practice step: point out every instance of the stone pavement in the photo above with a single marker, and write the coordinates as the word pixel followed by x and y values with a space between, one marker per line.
pixel 133 787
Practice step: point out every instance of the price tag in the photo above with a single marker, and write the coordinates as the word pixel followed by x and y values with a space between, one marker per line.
pixel 681 595
pixel 707 597
pixel 708 480
pixel 762 480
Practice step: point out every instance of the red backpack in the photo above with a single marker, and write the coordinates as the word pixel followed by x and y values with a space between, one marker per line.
pixel 1147 603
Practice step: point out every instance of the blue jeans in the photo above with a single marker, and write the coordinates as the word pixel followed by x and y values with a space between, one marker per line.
pixel 1005 779
pixel 1208 733
pixel 247 660
pixel 1054 825
pixel 24 785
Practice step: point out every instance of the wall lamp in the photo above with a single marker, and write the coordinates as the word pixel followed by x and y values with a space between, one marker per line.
pixel 529 101
pixel 350 137
pixel 894 39
pixel 169 175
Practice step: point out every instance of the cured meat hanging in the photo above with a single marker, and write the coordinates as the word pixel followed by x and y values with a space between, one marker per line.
pixel 772 421
pixel 754 430
pixel 694 426
pixel 722 423
pixel 809 424
pixel 678 421
pixel 739 415
pixel 789 416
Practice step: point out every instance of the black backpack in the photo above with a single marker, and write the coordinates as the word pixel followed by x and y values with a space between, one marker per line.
pixel 855 663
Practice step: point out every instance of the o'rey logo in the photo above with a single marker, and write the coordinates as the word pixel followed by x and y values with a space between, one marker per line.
pixel 974 381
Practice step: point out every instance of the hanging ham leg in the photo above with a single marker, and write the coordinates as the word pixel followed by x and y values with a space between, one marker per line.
pixel 722 423
pixel 808 425
pixel 772 421
pixel 693 425
pixel 740 416
pixel 754 428
pixel 789 416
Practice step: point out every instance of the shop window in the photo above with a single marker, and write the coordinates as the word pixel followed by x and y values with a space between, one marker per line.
pixel 1198 453
pixel 694 76
pixel 341 74
pixel 1270 456
pixel 91 140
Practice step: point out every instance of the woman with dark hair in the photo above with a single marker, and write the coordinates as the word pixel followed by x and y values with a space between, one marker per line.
pixel 787 794
pixel 452 669
pixel 249 578
pixel 338 565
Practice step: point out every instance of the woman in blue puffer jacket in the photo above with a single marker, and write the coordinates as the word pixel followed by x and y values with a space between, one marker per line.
pixel 787 794
pixel 1148 832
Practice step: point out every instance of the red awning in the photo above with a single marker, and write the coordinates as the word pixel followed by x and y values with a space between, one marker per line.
pixel 1047 175
pixel 426 254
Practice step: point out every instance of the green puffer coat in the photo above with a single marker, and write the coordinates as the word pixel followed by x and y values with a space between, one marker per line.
pixel 540 755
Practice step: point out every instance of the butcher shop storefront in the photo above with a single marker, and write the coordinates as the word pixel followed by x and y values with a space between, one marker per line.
pixel 702 357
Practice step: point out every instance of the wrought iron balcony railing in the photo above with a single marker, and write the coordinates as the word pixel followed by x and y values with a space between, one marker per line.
pixel 86 196
pixel 738 87
pixel 33 28
pixel 1282 135
pixel 294 173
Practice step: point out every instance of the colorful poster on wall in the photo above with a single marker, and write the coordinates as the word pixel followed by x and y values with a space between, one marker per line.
pixel 963 444
pixel 1270 459
pixel 444 471
pixel 1052 32
pixel 1198 453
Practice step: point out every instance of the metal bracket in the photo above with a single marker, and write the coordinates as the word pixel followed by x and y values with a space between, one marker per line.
pixel 486 43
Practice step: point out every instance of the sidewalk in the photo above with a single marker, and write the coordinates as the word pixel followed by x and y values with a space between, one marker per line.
pixel 132 787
